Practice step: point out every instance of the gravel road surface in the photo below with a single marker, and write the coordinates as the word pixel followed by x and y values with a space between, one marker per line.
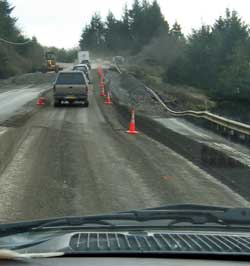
pixel 78 161
pixel 13 100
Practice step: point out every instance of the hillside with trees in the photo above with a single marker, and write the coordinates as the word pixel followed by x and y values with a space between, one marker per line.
pixel 15 56
pixel 214 58
pixel 138 26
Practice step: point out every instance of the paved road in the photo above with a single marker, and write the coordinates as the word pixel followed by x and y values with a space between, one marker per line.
pixel 66 66
pixel 77 161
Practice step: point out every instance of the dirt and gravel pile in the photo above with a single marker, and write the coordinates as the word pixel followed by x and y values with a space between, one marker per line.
pixel 127 90
pixel 29 78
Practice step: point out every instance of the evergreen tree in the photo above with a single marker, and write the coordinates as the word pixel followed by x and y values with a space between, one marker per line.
pixel 126 39
pixel 176 31
pixel 112 33
pixel 16 58
pixel 138 26
pixel 7 23
pixel 200 58
pixel 135 18
pixel 215 57
pixel 93 36
pixel 146 22
pixel 232 50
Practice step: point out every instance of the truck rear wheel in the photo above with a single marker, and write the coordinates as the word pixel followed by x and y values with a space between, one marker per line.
pixel 86 104
pixel 57 103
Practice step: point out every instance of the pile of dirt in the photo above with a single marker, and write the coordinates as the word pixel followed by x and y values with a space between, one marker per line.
pixel 131 92
pixel 29 78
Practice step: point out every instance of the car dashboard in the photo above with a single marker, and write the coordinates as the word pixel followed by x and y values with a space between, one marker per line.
pixel 108 261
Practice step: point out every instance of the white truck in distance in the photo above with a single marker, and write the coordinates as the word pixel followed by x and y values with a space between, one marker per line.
pixel 83 56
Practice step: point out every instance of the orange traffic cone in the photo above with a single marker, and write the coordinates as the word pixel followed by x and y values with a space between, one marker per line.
pixel 102 94
pixel 100 72
pixel 108 100
pixel 132 129
pixel 101 84
pixel 40 101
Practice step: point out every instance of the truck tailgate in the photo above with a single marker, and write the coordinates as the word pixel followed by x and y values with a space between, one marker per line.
pixel 70 90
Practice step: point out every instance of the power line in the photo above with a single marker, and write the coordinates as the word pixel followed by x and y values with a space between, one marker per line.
pixel 15 43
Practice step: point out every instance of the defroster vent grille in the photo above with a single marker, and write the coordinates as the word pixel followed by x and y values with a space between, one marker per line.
pixel 165 242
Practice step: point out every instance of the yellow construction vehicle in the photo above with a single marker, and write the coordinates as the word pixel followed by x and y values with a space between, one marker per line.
pixel 51 62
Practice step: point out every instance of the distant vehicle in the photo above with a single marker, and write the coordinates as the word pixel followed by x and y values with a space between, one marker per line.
pixel 83 55
pixel 84 58
pixel 51 64
pixel 86 62
pixel 71 86
pixel 118 60
pixel 84 68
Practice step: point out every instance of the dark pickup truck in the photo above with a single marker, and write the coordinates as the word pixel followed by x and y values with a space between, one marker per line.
pixel 71 86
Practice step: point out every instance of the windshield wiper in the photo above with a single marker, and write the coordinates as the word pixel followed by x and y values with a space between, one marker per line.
pixel 101 220
pixel 75 221
pixel 197 214
pixel 189 207
pixel 169 215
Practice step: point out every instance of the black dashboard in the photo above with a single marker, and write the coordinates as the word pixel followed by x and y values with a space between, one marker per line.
pixel 100 261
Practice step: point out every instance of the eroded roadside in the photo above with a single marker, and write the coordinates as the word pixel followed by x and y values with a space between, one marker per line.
pixel 227 161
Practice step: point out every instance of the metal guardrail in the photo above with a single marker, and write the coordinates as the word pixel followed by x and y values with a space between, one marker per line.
pixel 235 128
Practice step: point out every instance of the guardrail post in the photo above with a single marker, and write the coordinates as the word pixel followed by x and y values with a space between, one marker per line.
pixel 231 134
pixel 223 131
pixel 242 136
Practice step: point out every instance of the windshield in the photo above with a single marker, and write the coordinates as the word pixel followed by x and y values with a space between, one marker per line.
pixel 50 56
pixel 80 68
pixel 163 117
pixel 70 78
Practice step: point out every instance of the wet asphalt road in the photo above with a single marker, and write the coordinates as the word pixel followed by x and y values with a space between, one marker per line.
pixel 78 161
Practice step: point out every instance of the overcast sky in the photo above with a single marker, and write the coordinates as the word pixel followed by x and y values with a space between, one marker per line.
pixel 60 22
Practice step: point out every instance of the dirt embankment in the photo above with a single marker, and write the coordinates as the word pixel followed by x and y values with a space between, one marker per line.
pixel 28 79
pixel 178 97
pixel 182 97
pixel 129 91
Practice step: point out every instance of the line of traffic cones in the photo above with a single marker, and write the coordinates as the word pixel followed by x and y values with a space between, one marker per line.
pixel 132 127
pixel 101 84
